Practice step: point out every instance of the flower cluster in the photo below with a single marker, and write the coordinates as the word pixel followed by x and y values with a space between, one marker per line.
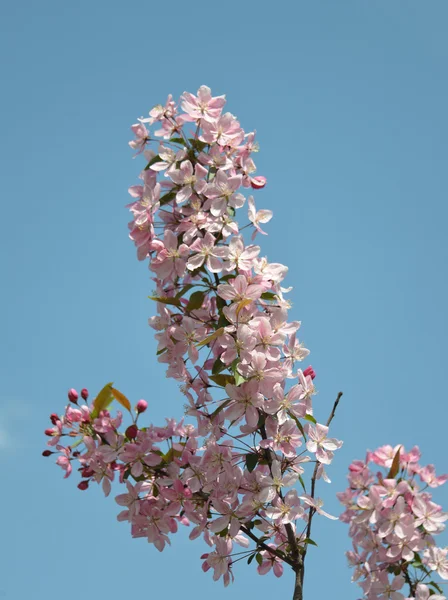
pixel 393 521
pixel 223 333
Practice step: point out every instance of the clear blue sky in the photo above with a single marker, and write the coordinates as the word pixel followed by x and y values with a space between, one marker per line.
pixel 349 101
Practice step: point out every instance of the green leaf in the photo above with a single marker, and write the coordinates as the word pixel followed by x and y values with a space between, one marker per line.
pixel 218 366
pixel 395 465
pixel 223 379
pixel 310 418
pixel 103 400
pixel 309 541
pixel 220 407
pixel 250 559
pixel 302 483
pixel 436 586
pixel 251 461
pixel 195 301
pixel 184 290
pixel 268 296
pixel 178 140
pixel 222 533
pixel 258 558
pixel 166 300
pixel 153 161
pixel 167 197
pixel 159 352
pixel 198 145
pixel 239 379
pixel 298 423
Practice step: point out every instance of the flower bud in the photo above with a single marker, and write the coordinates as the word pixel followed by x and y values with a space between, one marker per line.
pixel 49 432
pixel 131 432
pixel 258 182
pixel 87 472
pixel 141 406
pixel 54 418
pixel 73 395
pixel 309 371
pixel 47 453
pixel 84 393
pixel 83 485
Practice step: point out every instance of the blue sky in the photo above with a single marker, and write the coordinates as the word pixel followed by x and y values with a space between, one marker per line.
pixel 349 102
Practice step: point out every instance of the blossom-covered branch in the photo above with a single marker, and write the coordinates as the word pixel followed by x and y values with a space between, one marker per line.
pixel 223 333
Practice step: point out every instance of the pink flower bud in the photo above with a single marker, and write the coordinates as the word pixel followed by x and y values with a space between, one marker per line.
pixel 54 418
pixel 309 371
pixel 258 182
pixel 49 432
pixel 86 472
pixel 47 453
pixel 83 485
pixel 73 395
pixel 141 406
pixel 84 393
pixel 131 432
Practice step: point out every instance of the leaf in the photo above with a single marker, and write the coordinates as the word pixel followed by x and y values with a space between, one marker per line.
pixel 166 300
pixel 103 399
pixel 223 379
pixel 198 144
pixel 436 586
pixel 220 408
pixel 268 296
pixel 167 197
pixel 178 140
pixel 211 337
pixel 251 461
pixel 395 465
pixel 195 301
pixel 121 398
pixel 258 558
pixel 184 290
pixel 302 483
pixel 159 352
pixel 310 418
pixel 218 366
pixel 250 559
pixel 239 379
pixel 309 541
pixel 241 304
pixel 298 423
pixel 153 161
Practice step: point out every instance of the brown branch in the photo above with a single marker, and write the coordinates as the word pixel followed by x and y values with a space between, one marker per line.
pixel 261 544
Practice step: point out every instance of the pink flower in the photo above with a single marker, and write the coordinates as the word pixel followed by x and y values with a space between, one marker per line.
pixel 171 260
pixel 206 252
pixel 222 193
pixel 191 180
pixel 270 561
pixel 257 217
pixel 203 106
pixel 322 446
pixel 245 401
pixel 239 289
pixel 225 131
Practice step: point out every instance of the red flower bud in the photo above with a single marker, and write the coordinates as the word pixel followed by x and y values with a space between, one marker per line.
pixel 258 182
pixel 49 432
pixel 84 393
pixel 309 371
pixel 86 472
pixel 141 406
pixel 47 453
pixel 131 432
pixel 73 395
pixel 53 418
pixel 83 485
